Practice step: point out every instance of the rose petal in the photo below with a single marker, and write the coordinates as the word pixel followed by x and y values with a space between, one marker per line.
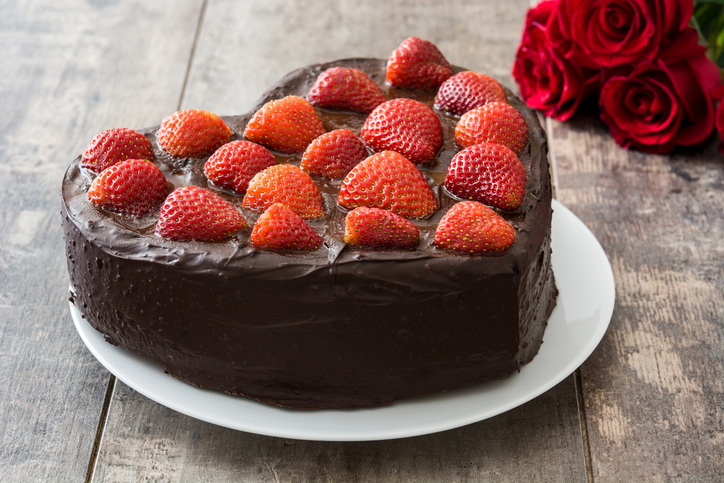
pixel 696 101
pixel 684 46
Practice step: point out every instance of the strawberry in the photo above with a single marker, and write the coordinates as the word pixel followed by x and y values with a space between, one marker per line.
pixel 471 227
pixel 193 213
pixel 114 145
pixel 489 173
pixel 346 88
pixel 287 125
pixel 417 64
pixel 378 228
pixel 279 228
pixel 467 90
pixel 288 184
pixel 133 186
pixel 194 133
pixel 235 163
pixel 333 154
pixel 406 126
pixel 389 181
pixel 495 122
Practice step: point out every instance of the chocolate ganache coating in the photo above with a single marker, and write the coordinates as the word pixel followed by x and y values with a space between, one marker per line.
pixel 339 327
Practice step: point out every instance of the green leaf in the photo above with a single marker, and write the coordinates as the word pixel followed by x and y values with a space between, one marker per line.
pixel 708 21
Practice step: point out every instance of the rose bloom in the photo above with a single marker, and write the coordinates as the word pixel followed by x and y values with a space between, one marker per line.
pixel 608 33
pixel 665 102
pixel 547 80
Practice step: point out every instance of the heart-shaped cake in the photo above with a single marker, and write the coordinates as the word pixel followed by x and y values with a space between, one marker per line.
pixel 309 268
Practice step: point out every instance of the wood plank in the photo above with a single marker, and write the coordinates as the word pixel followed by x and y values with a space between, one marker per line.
pixel 653 389
pixel 539 441
pixel 68 72
pixel 242 49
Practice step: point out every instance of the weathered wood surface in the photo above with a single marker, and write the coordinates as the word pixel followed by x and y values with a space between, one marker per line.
pixel 653 390
pixel 539 441
pixel 651 393
pixel 68 71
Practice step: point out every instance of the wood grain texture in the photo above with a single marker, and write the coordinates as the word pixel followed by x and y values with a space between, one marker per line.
pixel 653 389
pixel 69 70
pixel 539 441
pixel 243 48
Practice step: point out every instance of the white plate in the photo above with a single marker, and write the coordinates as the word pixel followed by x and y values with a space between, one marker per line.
pixel 585 305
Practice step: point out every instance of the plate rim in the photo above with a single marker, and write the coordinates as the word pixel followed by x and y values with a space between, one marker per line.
pixel 106 354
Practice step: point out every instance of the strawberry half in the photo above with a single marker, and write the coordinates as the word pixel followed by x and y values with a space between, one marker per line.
pixel 496 122
pixel 133 186
pixel 235 163
pixel 406 126
pixel 389 181
pixel 346 88
pixel 378 228
pixel 193 213
pixel 193 133
pixel 488 173
pixel 333 154
pixel 417 64
pixel 115 145
pixel 467 90
pixel 471 227
pixel 287 184
pixel 279 228
pixel 287 125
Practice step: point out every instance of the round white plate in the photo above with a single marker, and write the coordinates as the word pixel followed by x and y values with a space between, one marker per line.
pixel 585 305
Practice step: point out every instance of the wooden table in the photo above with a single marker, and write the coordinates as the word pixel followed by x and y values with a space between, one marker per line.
pixel 648 405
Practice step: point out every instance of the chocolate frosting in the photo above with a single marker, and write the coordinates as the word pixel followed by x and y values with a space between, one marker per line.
pixel 337 327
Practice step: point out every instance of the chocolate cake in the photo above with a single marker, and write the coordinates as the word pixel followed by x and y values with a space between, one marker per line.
pixel 339 327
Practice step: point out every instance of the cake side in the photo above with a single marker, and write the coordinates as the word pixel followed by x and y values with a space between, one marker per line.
pixel 537 291
pixel 338 327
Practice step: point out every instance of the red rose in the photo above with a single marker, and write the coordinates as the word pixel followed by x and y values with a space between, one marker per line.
pixel 664 102
pixel 547 80
pixel 609 33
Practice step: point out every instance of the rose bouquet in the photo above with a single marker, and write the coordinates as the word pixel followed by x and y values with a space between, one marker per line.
pixel 643 59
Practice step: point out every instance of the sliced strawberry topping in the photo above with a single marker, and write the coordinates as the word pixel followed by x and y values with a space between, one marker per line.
pixel 378 228
pixel 279 228
pixel 346 88
pixel 471 227
pixel 287 184
pixel 417 64
pixel 489 173
pixel 194 133
pixel 287 125
pixel 333 154
pixel 389 181
pixel 134 186
pixel 467 90
pixel 406 126
pixel 193 213
pixel 115 145
pixel 235 163
pixel 495 122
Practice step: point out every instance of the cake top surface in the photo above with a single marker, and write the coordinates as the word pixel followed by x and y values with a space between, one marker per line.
pixel 135 237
